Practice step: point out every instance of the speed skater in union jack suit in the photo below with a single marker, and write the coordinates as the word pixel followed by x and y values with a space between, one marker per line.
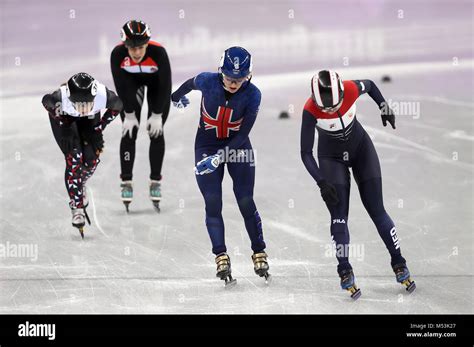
pixel 229 108
pixel 342 144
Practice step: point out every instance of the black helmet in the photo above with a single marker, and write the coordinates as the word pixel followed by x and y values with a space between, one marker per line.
pixel 135 33
pixel 81 87
pixel 327 90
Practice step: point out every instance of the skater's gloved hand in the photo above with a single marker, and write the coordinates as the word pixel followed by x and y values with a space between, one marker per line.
pixel 207 165
pixel 129 123
pixel 95 138
pixel 328 192
pixel 387 115
pixel 154 125
pixel 68 139
pixel 181 103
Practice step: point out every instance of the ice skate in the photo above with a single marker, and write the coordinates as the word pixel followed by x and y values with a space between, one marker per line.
pixel 260 266
pixel 348 283
pixel 155 194
pixel 403 276
pixel 224 269
pixel 79 217
pixel 127 193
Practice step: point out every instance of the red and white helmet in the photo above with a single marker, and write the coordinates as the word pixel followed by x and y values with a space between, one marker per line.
pixel 327 90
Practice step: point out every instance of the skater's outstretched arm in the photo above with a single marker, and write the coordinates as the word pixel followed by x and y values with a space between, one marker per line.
pixel 184 89
pixel 196 83
pixel 308 124
pixel 369 87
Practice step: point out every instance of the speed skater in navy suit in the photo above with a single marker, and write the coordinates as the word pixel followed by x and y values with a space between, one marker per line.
pixel 342 144
pixel 229 107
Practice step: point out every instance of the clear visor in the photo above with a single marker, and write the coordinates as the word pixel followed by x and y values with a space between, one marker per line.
pixel 83 107
pixel 234 80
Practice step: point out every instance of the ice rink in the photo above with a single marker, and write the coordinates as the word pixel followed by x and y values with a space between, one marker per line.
pixel 145 262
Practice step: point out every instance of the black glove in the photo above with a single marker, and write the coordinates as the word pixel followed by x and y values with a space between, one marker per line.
pixel 328 192
pixel 68 139
pixel 387 115
pixel 94 138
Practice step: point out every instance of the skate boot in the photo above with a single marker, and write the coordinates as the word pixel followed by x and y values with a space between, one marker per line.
pixel 260 265
pixel 127 193
pixel 403 276
pixel 155 194
pixel 348 283
pixel 79 217
pixel 224 270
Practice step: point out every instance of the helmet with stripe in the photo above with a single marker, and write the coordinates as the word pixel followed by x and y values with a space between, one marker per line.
pixel 236 62
pixel 135 33
pixel 327 90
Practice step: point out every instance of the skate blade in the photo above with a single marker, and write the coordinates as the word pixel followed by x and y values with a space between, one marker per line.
pixel 156 206
pixel 230 283
pixel 87 217
pixel 268 279
pixel 355 292
pixel 81 231
pixel 410 285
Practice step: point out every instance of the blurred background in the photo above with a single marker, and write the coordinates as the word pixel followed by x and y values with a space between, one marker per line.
pixel 45 42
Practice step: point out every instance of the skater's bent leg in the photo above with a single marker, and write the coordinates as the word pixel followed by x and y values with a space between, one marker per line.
pixel 90 161
pixel 243 177
pixel 215 222
pixel 73 178
pixel 210 186
pixel 339 228
pixel 337 173
pixel 156 154
pixel 73 158
pixel 253 222
pixel 127 155
pixel 372 198
pixel 157 145
pixel 89 169
pixel 367 174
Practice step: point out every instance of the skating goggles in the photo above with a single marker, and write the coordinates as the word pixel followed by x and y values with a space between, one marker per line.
pixel 234 80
